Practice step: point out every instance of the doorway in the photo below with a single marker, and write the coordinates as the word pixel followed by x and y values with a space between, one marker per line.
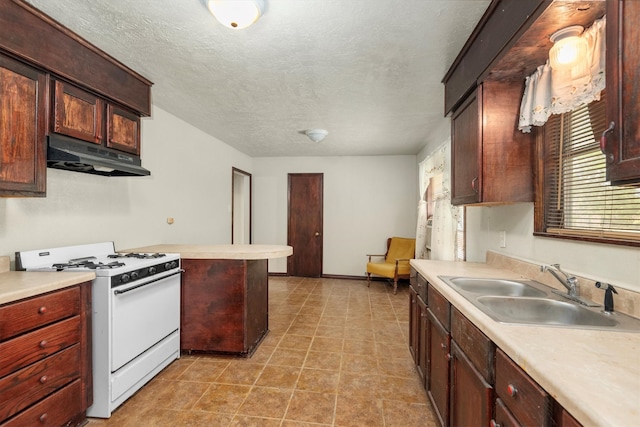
pixel 240 207
pixel 304 226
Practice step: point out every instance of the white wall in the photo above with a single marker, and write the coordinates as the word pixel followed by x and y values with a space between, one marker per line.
pixel 618 265
pixel 190 181
pixel 366 200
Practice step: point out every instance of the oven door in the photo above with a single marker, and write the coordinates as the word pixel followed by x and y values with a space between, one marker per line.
pixel 143 314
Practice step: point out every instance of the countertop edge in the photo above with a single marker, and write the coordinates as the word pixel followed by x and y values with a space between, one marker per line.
pixel 237 252
pixel 18 285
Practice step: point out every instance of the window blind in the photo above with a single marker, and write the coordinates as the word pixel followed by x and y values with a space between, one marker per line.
pixel 578 200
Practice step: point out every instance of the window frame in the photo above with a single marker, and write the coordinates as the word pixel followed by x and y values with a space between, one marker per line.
pixel 540 227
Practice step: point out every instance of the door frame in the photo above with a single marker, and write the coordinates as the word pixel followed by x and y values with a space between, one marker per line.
pixel 241 199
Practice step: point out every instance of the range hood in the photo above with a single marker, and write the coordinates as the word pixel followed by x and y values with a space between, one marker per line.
pixel 80 156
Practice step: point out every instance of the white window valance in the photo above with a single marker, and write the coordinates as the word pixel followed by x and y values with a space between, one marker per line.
pixel 548 91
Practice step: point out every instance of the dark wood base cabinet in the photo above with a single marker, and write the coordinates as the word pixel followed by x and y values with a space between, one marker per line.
pixel 224 306
pixel 470 381
pixel 45 359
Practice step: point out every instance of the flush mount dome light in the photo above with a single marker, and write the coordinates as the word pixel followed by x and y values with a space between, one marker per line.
pixel 569 49
pixel 236 14
pixel 316 135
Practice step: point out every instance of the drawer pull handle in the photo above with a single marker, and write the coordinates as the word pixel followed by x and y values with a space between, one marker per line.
pixel 43 343
pixel 43 418
pixel 493 423
pixel 43 379
pixel 512 390
pixel 42 310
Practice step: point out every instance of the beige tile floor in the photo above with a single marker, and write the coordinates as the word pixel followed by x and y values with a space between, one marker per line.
pixel 336 355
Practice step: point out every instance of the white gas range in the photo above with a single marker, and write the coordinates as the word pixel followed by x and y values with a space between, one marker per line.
pixel 135 314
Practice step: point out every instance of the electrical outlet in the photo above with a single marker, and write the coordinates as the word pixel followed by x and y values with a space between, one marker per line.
pixel 503 239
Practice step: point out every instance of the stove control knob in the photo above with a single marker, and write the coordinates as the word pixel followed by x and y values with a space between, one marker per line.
pixel 125 278
pixel 152 270
pixel 135 275
pixel 174 264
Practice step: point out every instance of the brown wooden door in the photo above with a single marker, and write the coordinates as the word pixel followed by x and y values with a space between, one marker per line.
pixel 23 148
pixel 439 356
pixel 623 91
pixel 471 396
pixel 305 224
pixel 123 130
pixel 466 143
pixel 77 113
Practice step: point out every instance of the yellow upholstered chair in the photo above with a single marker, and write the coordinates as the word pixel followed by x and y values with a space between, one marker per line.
pixel 396 261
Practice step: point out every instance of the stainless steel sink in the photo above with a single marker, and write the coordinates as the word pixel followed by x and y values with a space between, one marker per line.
pixel 531 303
pixel 543 311
pixel 496 287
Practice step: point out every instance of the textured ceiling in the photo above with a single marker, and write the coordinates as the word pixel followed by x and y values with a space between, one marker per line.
pixel 368 71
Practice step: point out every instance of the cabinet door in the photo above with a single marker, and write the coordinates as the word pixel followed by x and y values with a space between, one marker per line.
pixel 623 91
pixel 123 129
pixel 471 395
pixel 414 322
pixel 422 340
pixel 466 152
pixel 438 389
pixel 77 113
pixel 22 129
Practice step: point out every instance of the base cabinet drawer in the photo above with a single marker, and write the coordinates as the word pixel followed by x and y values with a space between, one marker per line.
pixel 32 313
pixel 30 384
pixel 45 359
pixel 525 399
pixel 21 351
pixel 52 411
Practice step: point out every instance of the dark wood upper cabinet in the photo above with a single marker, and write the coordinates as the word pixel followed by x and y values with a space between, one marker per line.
pixel 466 150
pixel 77 113
pixel 23 28
pixel 123 130
pixel 65 86
pixel 492 162
pixel 622 144
pixel 83 115
pixel 22 129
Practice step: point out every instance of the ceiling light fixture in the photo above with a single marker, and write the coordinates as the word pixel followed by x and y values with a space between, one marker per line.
pixel 568 48
pixel 236 14
pixel 316 135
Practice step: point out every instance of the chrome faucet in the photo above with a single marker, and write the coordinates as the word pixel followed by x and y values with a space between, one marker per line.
pixel 570 282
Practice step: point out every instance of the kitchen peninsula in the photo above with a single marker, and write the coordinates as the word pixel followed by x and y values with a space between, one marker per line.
pixel 224 295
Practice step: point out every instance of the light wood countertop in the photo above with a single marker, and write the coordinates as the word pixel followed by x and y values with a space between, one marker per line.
pixel 593 374
pixel 238 252
pixel 16 285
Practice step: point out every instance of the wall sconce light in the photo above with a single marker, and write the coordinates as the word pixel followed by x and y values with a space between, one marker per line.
pixel 569 49
pixel 316 135
pixel 236 14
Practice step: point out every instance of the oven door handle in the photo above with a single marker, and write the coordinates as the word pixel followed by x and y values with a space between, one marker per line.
pixel 119 292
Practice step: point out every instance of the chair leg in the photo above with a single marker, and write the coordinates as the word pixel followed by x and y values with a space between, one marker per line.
pixel 368 280
pixel 395 286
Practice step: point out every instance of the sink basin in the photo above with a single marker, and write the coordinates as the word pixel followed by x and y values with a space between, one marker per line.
pixel 500 287
pixel 532 303
pixel 543 311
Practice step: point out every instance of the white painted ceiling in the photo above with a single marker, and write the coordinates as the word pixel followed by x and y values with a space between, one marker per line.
pixel 368 71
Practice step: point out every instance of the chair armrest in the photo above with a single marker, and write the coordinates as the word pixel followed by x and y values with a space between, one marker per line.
pixel 402 259
pixel 371 255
